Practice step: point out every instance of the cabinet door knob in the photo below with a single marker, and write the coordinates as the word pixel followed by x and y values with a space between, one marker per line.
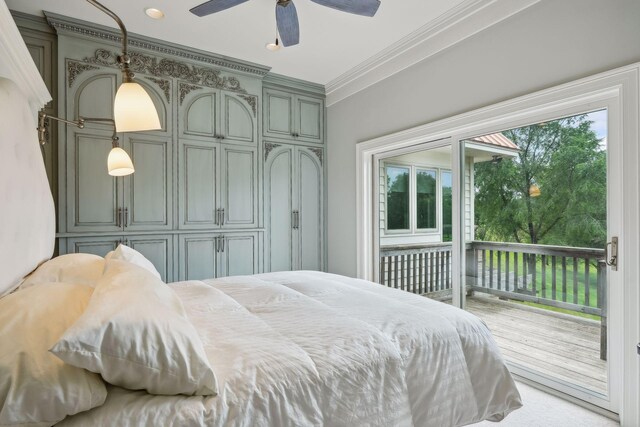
pixel 118 217
pixel 126 217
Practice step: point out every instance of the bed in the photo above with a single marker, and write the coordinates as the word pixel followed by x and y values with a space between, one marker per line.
pixel 287 349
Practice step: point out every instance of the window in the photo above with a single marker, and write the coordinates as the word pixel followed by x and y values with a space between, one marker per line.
pixel 418 201
pixel 426 198
pixel 447 206
pixel 397 198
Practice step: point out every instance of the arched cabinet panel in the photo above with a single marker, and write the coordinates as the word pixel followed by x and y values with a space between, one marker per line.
pixel 294 207
pixel 198 111
pixel 310 224
pixel 99 86
pixel 278 189
pixel 238 119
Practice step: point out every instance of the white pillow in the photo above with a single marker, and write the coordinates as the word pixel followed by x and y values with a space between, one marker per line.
pixel 136 334
pixel 81 269
pixel 125 253
pixel 37 388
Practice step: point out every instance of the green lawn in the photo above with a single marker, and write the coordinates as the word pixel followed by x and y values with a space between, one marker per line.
pixel 548 291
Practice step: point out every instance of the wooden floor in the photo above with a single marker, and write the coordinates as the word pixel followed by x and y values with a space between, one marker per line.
pixel 562 347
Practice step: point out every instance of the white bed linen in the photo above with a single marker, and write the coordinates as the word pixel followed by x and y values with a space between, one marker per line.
pixel 309 348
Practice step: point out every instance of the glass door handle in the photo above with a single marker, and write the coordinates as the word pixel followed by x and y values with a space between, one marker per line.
pixel 611 253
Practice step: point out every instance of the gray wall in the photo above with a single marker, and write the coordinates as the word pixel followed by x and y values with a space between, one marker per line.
pixel 553 42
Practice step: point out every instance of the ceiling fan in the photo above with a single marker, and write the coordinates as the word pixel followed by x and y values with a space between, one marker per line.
pixel 286 15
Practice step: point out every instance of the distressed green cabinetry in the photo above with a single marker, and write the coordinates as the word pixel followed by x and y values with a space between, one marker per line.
pixel 209 197
pixel 294 207
pixel 220 254
pixel 218 152
pixel 293 116
pixel 96 201
pixel 159 249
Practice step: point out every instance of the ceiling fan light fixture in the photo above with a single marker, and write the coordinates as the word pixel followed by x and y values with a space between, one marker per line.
pixel 154 13
pixel 273 47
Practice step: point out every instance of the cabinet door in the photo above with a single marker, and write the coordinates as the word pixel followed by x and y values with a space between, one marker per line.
pixel 309 114
pixel 199 255
pixel 278 188
pixel 198 191
pixel 198 112
pixel 278 114
pixel 147 192
pixel 93 196
pixel 158 250
pixel 239 255
pixel 309 197
pixel 239 183
pixel 91 245
pixel 238 119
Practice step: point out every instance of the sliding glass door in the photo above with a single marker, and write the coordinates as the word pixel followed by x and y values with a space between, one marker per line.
pixel 535 229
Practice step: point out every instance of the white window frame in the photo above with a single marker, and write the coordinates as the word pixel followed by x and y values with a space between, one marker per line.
pixel 403 231
pixel 413 229
pixel 619 91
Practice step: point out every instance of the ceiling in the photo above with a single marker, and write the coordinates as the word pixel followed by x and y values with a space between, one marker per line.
pixel 331 42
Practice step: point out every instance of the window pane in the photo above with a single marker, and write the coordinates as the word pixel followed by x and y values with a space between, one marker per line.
pixel 426 198
pixel 397 198
pixel 447 207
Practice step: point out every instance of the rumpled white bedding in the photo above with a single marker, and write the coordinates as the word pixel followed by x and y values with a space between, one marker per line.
pixel 316 349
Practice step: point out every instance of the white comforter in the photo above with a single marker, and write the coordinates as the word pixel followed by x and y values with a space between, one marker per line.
pixel 316 349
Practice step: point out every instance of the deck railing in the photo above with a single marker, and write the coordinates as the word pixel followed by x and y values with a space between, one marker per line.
pixel 421 269
pixel 555 276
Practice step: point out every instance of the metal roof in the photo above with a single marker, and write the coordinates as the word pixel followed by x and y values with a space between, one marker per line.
pixel 497 139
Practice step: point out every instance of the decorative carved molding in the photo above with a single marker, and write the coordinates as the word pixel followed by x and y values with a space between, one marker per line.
pixel 184 89
pixel 317 152
pixel 164 67
pixel 59 23
pixel 252 100
pixel 74 69
pixel 163 84
pixel 268 146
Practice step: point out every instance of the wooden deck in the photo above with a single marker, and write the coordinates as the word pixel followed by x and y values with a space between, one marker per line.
pixel 560 346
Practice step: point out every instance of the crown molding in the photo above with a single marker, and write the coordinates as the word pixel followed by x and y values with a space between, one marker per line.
pixel 279 81
pixel 468 18
pixel 79 28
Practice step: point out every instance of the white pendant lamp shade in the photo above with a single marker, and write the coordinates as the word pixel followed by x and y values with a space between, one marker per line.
pixel 133 109
pixel 119 163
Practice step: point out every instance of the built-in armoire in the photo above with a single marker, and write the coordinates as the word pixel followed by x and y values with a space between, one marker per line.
pixel 233 182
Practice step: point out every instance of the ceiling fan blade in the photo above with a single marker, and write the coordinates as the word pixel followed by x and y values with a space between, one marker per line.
pixel 287 20
pixel 357 7
pixel 214 6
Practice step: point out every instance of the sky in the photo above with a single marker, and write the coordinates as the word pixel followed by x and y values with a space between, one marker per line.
pixel 599 125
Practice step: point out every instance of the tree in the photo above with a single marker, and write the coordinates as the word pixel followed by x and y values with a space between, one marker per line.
pixel 565 160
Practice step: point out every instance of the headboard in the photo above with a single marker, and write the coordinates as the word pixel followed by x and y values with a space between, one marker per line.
pixel 27 215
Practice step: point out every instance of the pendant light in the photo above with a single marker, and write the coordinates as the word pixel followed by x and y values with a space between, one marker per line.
pixel 133 109
pixel 119 163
